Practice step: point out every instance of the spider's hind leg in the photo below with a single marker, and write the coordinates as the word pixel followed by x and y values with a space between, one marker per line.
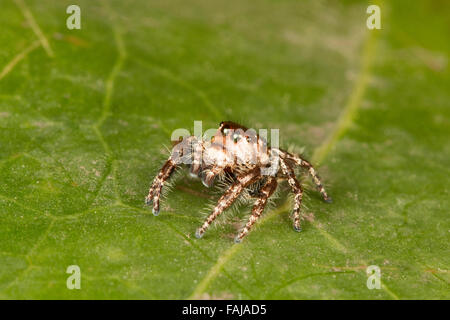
pixel 296 189
pixel 315 177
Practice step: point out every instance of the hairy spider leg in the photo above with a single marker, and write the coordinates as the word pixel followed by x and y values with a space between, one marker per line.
pixel 296 189
pixel 181 153
pixel 154 193
pixel 229 196
pixel 265 192
pixel 315 177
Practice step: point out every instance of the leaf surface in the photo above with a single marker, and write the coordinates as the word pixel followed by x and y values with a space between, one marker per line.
pixel 86 116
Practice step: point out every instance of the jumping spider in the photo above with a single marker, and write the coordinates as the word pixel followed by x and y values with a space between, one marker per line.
pixel 244 157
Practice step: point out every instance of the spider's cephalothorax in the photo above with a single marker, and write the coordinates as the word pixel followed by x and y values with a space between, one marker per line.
pixel 242 155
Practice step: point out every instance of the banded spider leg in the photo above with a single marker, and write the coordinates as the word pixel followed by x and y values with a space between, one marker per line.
pixel 296 189
pixel 229 196
pixel 315 177
pixel 265 192
pixel 154 194
pixel 187 149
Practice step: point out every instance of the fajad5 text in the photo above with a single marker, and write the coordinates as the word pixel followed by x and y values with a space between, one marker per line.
pixel 230 309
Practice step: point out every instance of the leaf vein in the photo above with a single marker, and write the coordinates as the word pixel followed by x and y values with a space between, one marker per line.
pixel 34 26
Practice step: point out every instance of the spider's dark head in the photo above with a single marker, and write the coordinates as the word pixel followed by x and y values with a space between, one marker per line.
pixel 230 125
pixel 232 131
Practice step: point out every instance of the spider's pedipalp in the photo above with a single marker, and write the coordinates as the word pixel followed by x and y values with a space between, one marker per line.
pixel 264 193
pixel 296 189
pixel 229 196
pixel 208 175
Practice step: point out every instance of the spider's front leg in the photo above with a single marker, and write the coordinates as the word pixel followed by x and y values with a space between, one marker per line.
pixel 265 192
pixel 229 196
pixel 180 154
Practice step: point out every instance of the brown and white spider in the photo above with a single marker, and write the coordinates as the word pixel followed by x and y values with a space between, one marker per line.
pixel 244 157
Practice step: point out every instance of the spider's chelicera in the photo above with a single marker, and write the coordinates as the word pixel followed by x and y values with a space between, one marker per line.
pixel 244 157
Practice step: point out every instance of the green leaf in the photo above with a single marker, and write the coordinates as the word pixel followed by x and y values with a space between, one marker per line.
pixel 86 115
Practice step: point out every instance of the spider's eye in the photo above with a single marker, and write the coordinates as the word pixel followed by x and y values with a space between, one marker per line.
pixel 236 137
pixel 225 131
